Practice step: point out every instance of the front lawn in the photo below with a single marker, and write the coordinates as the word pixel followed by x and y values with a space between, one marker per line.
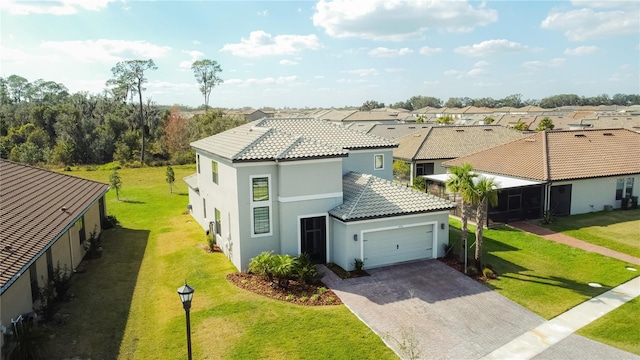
pixel 126 305
pixel 617 230
pixel 545 277
pixel 618 328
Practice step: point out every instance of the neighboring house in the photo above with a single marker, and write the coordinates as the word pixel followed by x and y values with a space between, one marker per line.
pixel 565 172
pixel 251 115
pixel 427 148
pixel 45 220
pixel 295 186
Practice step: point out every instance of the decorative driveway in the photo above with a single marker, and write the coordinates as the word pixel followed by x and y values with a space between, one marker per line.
pixel 428 309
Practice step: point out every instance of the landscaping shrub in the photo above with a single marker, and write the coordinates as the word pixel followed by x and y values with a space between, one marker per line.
pixel 358 264
pixel 110 222
pixel 488 273
pixel 261 265
pixel 448 251
pixel 280 269
pixel 306 272
pixel 472 270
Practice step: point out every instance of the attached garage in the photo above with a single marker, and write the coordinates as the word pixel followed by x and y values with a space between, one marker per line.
pixel 383 223
pixel 397 244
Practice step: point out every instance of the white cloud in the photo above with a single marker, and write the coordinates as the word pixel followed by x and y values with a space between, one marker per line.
pixel 351 81
pixel 194 55
pixel 196 42
pixel 536 65
pixel 106 50
pixel 491 47
pixel 319 77
pixel 581 50
pixel 481 64
pixel 587 23
pixel 288 62
pixel 425 50
pixel 393 70
pixel 477 70
pixel 362 72
pixel 431 83
pixel 260 43
pixel 398 20
pixel 602 4
pixel 486 84
pixel 282 80
pixel 165 87
pixel 64 7
pixel 386 52
pixel 20 57
pixel 264 13
pixel 624 73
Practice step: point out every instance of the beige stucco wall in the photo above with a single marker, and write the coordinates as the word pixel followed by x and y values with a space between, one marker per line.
pixel 597 192
pixel 16 300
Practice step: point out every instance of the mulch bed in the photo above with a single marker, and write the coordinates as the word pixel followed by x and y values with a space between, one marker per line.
pixel 308 295
pixel 453 263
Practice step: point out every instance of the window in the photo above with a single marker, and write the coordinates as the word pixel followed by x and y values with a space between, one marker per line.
pixel 619 188
pixel 33 277
pixel 81 233
pixel 198 162
pixel 261 220
pixel 214 171
pixel 218 224
pixel 260 205
pixel 204 208
pixel 260 188
pixel 379 162
pixel 424 169
pixel 629 189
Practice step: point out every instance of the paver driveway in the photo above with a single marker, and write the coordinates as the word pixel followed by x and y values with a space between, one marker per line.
pixel 447 314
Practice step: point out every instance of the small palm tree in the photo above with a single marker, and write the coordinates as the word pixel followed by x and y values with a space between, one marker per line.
pixel 461 182
pixel 484 192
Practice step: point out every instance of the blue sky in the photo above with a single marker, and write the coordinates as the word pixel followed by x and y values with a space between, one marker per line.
pixel 330 53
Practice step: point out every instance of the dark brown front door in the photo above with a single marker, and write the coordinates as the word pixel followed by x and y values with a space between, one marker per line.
pixel 313 235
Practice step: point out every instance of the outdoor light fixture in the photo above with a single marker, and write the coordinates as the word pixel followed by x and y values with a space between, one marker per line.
pixel 442 226
pixel 186 294
pixel 355 237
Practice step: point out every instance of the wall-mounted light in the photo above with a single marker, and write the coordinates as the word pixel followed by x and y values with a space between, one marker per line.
pixel 442 226
pixel 355 237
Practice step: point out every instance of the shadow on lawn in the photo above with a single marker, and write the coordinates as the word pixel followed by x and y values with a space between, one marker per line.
pixel 95 320
pixel 600 218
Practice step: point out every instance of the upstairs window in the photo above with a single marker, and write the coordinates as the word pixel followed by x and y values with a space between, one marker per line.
pixel 198 162
pixel 214 171
pixel 378 162
pixel 260 188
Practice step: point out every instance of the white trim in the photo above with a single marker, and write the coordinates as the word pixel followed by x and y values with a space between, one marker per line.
pixel 326 234
pixel 370 150
pixel 375 156
pixel 287 199
pixel 253 163
pixel 434 250
pixel 392 217
pixel 257 204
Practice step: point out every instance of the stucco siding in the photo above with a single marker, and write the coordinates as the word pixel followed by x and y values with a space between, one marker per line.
pixel 16 299
pixel 363 161
pixel 41 269
pixel 339 242
pixel 589 195
pixel 309 178
pixel 354 249
pixel 290 213
pixel 60 252
pixel 92 220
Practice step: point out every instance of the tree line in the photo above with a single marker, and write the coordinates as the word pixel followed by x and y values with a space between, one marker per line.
pixel 514 100
pixel 42 123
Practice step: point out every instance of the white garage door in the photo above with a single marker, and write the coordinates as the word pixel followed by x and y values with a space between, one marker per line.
pixel 386 247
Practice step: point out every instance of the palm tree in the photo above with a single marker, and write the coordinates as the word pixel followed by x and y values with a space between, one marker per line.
pixel 484 192
pixel 461 182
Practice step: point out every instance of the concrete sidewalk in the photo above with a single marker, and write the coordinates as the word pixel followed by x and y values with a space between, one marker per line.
pixel 571 241
pixel 553 331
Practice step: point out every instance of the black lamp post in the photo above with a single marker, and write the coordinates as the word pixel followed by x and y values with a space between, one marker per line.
pixel 186 293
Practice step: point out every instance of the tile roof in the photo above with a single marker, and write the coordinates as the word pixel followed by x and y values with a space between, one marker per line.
pixel 366 196
pixel 192 181
pixel 561 155
pixel 374 116
pixel 37 206
pixel 448 142
pixel 394 131
pixel 281 139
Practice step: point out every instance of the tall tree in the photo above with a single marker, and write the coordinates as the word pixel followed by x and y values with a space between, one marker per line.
pixel 171 178
pixel 129 75
pixel 461 182
pixel 483 193
pixel 545 124
pixel 116 183
pixel 18 87
pixel 206 72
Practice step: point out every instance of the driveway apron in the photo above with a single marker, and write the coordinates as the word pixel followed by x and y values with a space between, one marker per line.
pixel 434 310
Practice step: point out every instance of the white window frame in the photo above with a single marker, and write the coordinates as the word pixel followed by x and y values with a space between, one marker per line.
pixel 198 162
pixel 215 179
pixel 257 204
pixel 375 157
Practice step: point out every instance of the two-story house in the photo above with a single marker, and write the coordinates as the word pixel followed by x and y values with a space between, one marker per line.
pixel 295 186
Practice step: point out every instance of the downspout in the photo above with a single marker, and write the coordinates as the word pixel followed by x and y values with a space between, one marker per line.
pixel 545 168
pixel 73 267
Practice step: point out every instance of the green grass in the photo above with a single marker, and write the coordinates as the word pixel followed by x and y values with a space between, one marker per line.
pixel 126 305
pixel 619 328
pixel 617 230
pixel 543 276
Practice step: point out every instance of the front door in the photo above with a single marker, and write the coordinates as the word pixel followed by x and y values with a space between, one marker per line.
pixel 313 235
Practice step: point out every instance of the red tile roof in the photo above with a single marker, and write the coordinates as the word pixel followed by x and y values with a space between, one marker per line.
pixel 36 207
pixel 561 155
